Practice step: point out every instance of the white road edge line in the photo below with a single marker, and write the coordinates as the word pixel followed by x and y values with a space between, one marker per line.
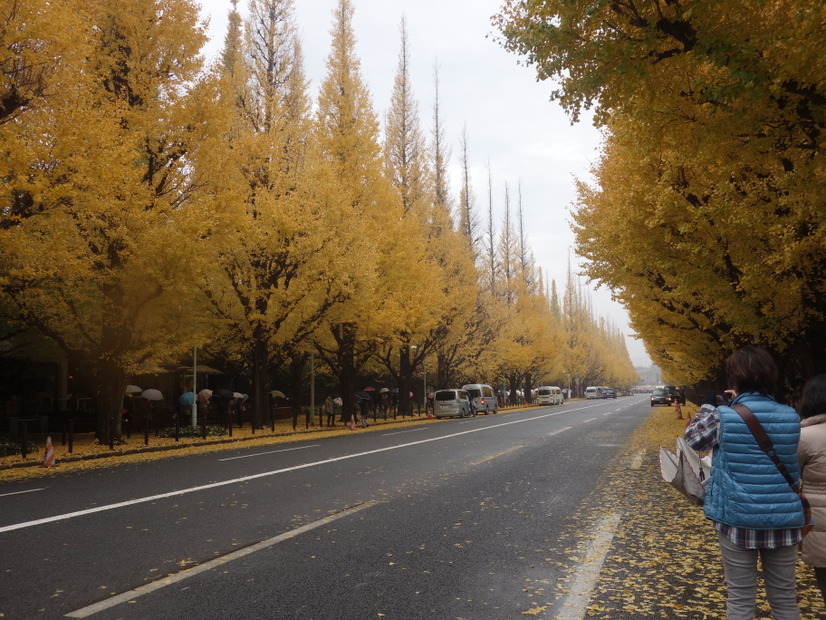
pixel 574 606
pixel 169 580
pixel 275 472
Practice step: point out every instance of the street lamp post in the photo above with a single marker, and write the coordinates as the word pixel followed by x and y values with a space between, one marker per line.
pixel 424 383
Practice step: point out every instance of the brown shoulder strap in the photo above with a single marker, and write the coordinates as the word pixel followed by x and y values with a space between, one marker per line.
pixel 764 442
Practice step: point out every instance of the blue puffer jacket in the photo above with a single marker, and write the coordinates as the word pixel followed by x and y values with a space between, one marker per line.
pixel 746 489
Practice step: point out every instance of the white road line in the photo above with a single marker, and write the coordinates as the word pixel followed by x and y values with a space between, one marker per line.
pixel 574 606
pixel 249 456
pixel 266 474
pixel 21 492
pixel 412 430
pixel 169 580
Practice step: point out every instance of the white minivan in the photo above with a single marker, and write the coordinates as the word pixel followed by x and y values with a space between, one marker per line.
pixel 549 395
pixel 451 403
pixel 482 397
pixel 593 391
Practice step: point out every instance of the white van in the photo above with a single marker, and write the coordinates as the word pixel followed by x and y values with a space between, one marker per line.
pixel 451 403
pixel 593 391
pixel 549 395
pixel 482 397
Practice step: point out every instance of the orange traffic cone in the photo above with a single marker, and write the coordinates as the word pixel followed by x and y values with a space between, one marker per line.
pixel 352 422
pixel 678 410
pixel 49 462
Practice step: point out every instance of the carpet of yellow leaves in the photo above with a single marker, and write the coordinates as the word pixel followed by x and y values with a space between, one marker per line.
pixel 663 561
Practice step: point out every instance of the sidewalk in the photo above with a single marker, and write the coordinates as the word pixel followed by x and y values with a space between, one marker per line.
pixel 663 560
pixel 87 453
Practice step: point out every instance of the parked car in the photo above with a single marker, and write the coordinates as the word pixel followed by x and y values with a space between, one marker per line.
pixel 661 397
pixel 608 392
pixel 482 398
pixel 451 403
pixel 593 391
pixel 549 395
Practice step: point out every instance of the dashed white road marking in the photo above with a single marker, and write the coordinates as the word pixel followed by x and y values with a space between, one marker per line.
pixel 22 492
pixel 169 580
pixel 249 456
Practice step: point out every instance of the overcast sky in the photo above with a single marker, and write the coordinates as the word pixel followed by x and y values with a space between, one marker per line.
pixel 511 125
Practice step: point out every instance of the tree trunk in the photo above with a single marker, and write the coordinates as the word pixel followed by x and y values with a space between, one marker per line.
pixel 529 388
pixel 109 401
pixel 260 383
pixel 297 367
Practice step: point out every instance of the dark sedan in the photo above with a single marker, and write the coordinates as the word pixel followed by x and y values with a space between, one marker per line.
pixel 661 397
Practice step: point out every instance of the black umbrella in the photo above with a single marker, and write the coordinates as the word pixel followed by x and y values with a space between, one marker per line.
pixel 362 395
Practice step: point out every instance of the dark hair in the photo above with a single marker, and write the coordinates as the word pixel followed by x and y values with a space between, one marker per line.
pixel 813 399
pixel 751 370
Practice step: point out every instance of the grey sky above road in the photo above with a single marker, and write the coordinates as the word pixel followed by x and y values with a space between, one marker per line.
pixel 512 128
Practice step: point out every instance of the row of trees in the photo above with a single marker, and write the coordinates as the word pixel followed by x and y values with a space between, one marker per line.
pixel 707 215
pixel 151 205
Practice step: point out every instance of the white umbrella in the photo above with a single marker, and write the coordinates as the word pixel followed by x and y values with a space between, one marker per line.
pixel 204 396
pixel 238 395
pixel 133 389
pixel 277 394
pixel 152 394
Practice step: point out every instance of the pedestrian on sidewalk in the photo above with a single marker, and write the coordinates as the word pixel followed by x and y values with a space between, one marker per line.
pixel 329 410
pixel 754 510
pixel 364 407
pixel 811 455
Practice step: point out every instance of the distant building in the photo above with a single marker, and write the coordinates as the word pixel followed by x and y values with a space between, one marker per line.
pixel 649 376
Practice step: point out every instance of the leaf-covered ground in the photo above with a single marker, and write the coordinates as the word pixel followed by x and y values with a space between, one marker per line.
pixel 663 561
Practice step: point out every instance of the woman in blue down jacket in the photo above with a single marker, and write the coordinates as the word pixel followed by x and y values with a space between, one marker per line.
pixel 753 508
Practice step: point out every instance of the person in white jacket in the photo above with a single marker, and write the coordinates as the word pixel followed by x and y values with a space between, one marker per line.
pixel 811 454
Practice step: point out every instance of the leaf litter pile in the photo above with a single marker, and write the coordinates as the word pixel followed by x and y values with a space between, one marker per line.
pixel 663 561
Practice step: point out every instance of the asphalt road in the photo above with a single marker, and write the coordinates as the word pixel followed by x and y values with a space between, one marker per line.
pixel 451 519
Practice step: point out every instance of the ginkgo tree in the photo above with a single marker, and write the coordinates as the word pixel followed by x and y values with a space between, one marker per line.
pixel 151 205
pixel 372 236
pixel 714 132
pixel 96 161
pixel 276 264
